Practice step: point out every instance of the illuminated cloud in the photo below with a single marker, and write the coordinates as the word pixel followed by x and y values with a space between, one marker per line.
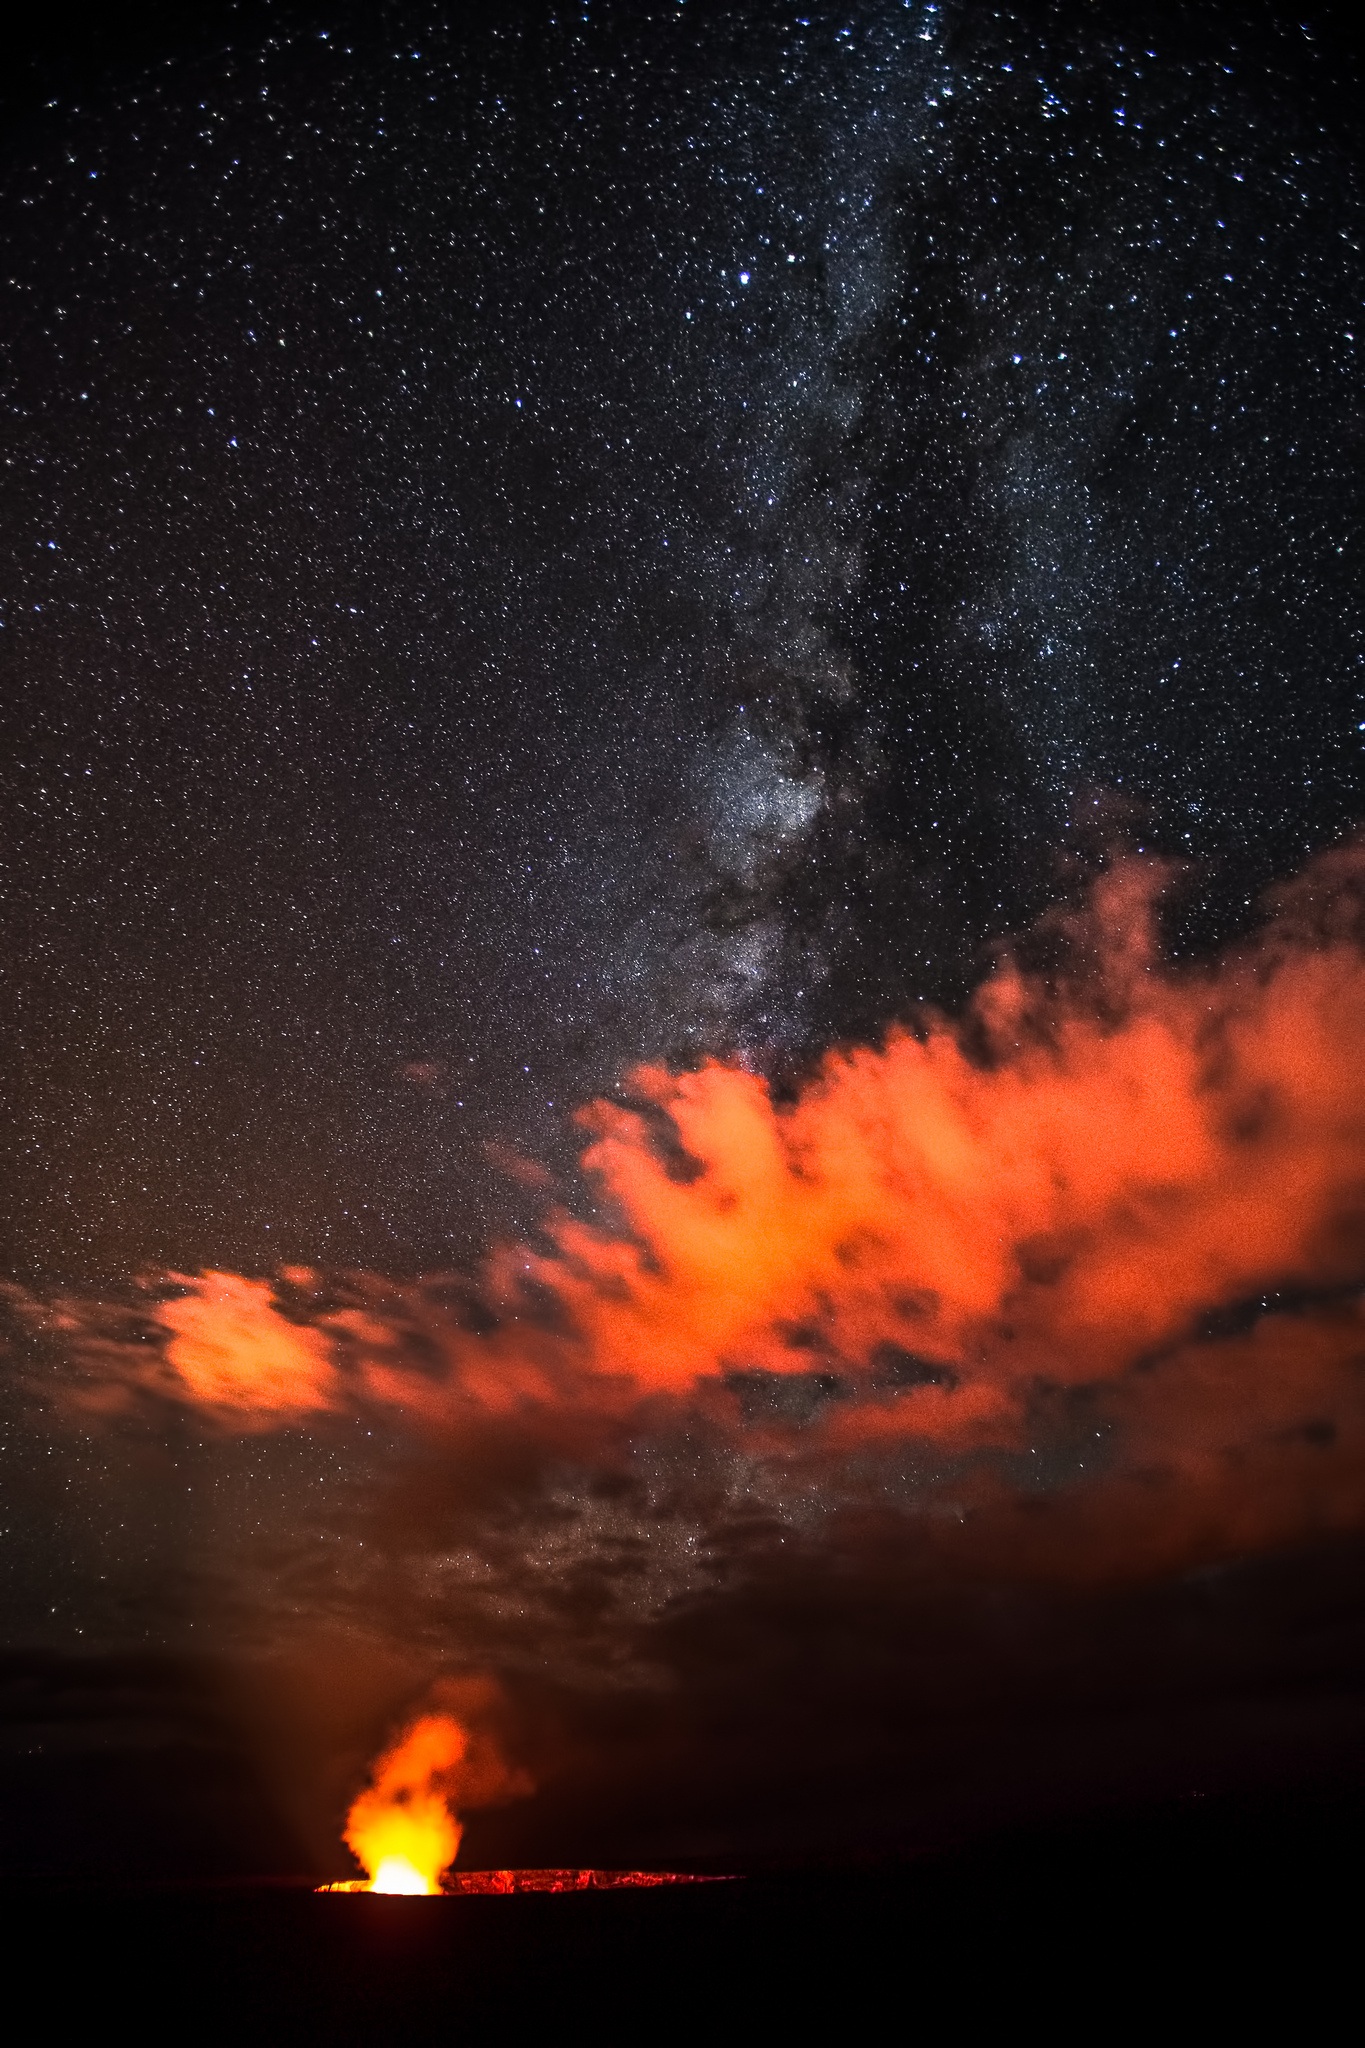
pixel 234 1351
pixel 1100 1236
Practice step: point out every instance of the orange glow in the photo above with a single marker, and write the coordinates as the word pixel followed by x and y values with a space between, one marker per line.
pixel 232 1349
pixel 1052 1186
pixel 469 1883
pixel 1049 1189
pixel 402 1828
pixel 503 1883
pixel 1057 1194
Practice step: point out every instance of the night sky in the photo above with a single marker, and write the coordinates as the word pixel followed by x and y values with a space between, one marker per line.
pixel 541 538
pixel 617 531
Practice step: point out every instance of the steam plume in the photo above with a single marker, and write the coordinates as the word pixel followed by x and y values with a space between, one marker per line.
pixel 404 1827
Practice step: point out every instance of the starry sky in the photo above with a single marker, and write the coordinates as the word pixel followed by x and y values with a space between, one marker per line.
pixel 541 538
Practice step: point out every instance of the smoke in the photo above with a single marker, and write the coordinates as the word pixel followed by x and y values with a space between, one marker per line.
pixel 404 1827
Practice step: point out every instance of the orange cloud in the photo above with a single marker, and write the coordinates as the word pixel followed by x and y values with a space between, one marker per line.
pixel 1048 1189
pixel 233 1350
pixel 948 1236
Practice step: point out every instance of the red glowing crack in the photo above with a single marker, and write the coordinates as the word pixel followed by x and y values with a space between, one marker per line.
pixel 485 1883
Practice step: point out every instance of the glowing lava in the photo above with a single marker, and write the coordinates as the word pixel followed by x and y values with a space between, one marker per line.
pixel 500 1883
pixel 396 1874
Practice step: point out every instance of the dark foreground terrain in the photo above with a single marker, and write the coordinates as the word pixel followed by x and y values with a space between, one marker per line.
pixel 1190 1916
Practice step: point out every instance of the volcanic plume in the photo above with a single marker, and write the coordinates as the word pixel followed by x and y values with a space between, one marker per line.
pixel 401 1827
pixel 404 1827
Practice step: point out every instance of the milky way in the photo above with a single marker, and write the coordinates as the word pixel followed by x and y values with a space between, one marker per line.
pixel 627 532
